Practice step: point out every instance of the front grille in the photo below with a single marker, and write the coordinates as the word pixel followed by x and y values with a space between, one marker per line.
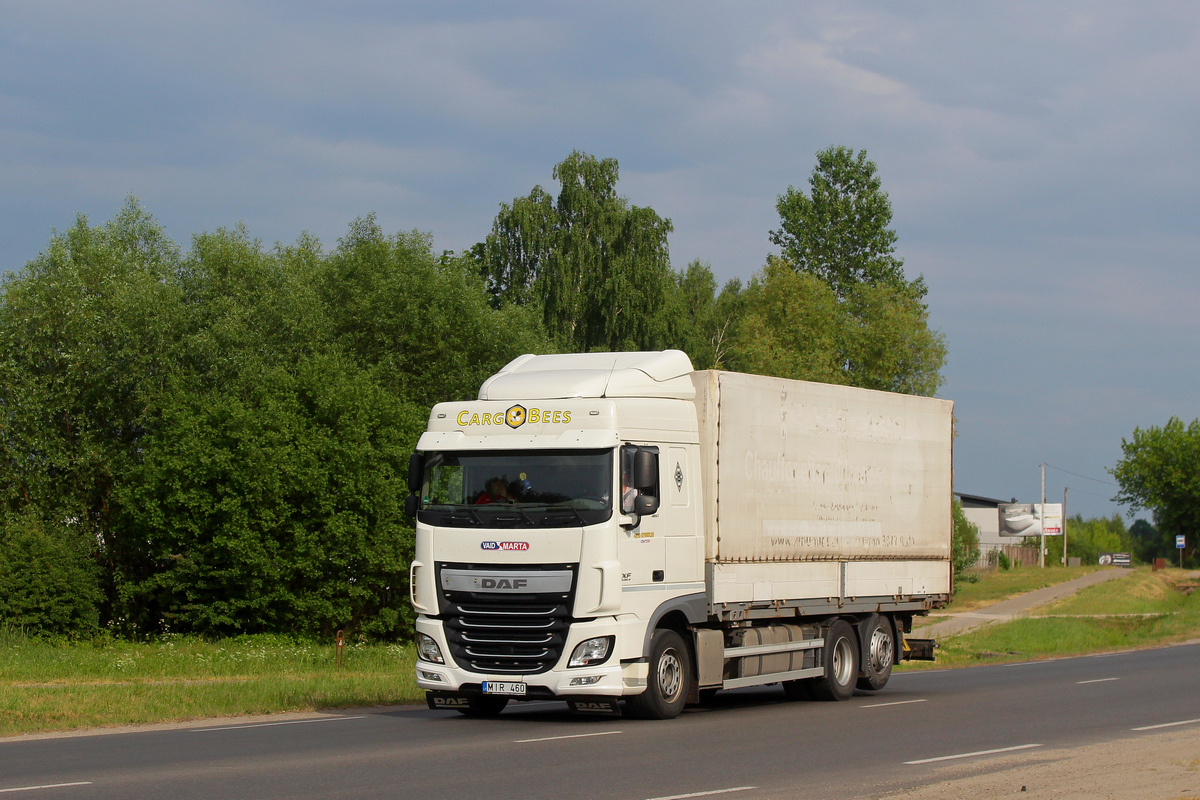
pixel 506 633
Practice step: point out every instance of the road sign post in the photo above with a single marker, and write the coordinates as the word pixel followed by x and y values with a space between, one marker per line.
pixel 1180 542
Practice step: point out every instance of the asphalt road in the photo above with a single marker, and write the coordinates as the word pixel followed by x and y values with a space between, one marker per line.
pixel 748 745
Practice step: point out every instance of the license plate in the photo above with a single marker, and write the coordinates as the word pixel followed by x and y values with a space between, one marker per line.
pixel 503 687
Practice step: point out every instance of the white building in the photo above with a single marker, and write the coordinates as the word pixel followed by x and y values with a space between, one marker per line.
pixel 984 512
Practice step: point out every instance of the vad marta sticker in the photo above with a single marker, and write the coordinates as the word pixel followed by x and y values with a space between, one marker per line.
pixel 504 545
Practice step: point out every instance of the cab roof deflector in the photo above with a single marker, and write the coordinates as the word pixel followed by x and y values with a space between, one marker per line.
pixel 663 373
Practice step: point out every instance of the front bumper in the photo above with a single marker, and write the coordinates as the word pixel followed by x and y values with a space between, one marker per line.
pixel 612 678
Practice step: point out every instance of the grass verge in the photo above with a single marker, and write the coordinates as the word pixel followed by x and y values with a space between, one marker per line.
pixel 998 585
pixel 1141 609
pixel 48 686
pixel 1058 637
pixel 1140 592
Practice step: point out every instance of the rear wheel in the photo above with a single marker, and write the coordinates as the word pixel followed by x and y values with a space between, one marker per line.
pixel 484 705
pixel 879 643
pixel 839 657
pixel 668 681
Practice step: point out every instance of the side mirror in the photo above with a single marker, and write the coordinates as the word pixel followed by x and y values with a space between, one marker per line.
pixel 416 471
pixel 645 504
pixel 645 469
pixel 410 506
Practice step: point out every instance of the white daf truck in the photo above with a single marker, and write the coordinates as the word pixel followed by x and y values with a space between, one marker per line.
pixel 617 529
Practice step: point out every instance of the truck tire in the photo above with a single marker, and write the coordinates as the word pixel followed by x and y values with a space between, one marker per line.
pixel 839 657
pixel 484 705
pixel 879 645
pixel 668 682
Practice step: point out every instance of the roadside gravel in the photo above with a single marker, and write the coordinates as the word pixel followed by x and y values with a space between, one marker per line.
pixel 1149 766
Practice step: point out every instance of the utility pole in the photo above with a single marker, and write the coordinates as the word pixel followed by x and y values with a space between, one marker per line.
pixel 1042 522
pixel 1065 488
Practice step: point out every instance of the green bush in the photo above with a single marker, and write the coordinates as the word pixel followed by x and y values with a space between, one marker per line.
pixel 48 583
pixel 231 425
pixel 964 546
pixel 1087 539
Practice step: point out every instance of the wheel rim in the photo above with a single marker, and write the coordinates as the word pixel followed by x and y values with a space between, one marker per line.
pixel 843 662
pixel 670 675
pixel 881 650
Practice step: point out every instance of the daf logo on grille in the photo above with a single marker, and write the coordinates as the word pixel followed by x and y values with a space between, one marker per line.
pixel 502 583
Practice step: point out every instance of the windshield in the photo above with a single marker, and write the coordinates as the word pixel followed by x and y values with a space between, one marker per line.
pixel 517 488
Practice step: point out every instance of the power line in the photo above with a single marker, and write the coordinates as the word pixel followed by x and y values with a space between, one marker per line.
pixel 1090 494
pixel 1077 475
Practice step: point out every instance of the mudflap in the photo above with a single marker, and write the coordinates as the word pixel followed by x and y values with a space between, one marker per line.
pixel 445 700
pixel 604 706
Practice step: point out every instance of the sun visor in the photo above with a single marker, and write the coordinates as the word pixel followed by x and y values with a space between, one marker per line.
pixel 588 439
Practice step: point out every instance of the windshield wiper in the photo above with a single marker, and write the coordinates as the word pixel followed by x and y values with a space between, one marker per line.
pixel 558 509
pixel 503 508
pixel 471 515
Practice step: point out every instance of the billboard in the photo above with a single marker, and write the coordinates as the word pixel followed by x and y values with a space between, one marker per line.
pixel 1025 519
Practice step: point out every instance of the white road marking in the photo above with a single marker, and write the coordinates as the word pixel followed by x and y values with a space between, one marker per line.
pixel 45 786
pixel 896 703
pixel 976 753
pixel 704 794
pixel 1166 725
pixel 269 724
pixel 1098 680
pixel 572 736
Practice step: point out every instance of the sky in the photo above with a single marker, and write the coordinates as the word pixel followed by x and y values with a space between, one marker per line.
pixel 1042 160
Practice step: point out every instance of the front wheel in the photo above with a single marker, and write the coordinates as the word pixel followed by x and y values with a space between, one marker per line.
pixel 668 681
pixel 839 657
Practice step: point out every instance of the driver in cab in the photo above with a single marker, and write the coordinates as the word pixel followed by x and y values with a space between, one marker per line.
pixel 496 492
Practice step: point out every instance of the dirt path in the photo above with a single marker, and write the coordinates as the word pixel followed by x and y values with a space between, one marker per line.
pixel 1161 766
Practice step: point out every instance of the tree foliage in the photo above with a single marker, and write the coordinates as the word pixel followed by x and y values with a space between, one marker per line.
pixel 596 267
pixel 1087 539
pixel 48 580
pixel 1150 543
pixel 840 232
pixel 794 326
pixel 1160 471
pixel 699 320
pixel 964 545
pixel 836 306
pixel 224 432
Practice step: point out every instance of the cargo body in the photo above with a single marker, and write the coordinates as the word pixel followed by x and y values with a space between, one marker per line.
pixel 812 490
pixel 629 535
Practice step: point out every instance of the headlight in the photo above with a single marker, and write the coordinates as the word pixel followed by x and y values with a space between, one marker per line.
pixel 590 652
pixel 428 650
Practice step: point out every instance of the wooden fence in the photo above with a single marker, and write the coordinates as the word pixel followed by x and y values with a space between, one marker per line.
pixel 1018 555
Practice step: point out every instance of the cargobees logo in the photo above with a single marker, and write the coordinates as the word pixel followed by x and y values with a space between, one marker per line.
pixel 515 417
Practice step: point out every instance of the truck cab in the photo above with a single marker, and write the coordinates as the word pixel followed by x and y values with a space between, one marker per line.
pixel 557 524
